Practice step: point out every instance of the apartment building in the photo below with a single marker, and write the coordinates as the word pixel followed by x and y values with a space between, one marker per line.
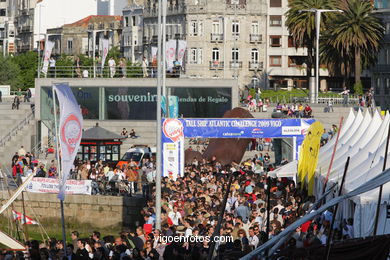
pixel 380 73
pixel 32 18
pixel 3 20
pixel 77 38
pixel 286 63
pixel 132 33
pixel 225 38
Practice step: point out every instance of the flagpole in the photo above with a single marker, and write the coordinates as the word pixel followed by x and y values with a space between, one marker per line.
pixel 59 169
pixel 24 218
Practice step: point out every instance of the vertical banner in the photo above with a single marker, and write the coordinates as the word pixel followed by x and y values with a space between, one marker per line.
pixel 170 53
pixel 154 54
pixel 173 106
pixel 70 131
pixel 48 49
pixel 105 45
pixel 181 51
pixel 173 148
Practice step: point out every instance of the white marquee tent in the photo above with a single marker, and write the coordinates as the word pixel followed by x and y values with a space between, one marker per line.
pixel 363 139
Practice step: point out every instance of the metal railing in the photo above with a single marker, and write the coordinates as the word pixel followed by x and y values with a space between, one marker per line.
pixel 40 149
pixel 236 64
pixel 216 37
pixel 304 98
pixel 107 72
pixel 255 38
pixel 255 65
pixel 19 126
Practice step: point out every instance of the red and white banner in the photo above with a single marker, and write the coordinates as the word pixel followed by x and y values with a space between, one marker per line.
pixel 105 46
pixel 173 153
pixel 170 53
pixel 70 131
pixel 181 49
pixel 48 49
pixel 23 219
pixel 51 185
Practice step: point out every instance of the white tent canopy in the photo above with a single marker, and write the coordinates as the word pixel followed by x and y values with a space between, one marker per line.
pixel 287 170
pixel 364 141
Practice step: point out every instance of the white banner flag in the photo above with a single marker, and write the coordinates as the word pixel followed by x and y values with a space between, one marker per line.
pixel 181 50
pixel 154 53
pixel 50 185
pixel 170 53
pixel 48 49
pixel 70 131
pixel 105 46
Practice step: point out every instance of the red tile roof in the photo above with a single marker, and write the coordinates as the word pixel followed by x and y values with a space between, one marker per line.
pixel 87 20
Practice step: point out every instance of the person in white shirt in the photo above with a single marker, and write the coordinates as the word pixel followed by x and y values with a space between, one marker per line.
pixel 21 151
pixel 110 174
pixel 253 239
pixel 145 65
pixel 175 216
pixel 112 64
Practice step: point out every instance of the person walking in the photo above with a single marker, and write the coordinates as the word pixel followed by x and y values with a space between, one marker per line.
pixel 122 65
pixel 111 65
pixel 1 94
pixel 345 94
pixel 52 67
pixel 145 65
pixel 27 96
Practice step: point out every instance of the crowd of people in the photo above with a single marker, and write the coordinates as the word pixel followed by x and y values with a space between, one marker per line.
pixel 190 207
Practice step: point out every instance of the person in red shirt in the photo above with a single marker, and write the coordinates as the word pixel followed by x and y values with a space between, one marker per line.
pixel 308 111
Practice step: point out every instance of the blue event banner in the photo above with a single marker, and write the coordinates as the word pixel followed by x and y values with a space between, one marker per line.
pixel 244 128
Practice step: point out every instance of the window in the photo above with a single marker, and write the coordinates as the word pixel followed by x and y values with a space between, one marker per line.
pixel 275 61
pixel 255 56
pixel 387 87
pixel 2 12
pixel 126 21
pixel 275 41
pixel 133 20
pixel 296 61
pixel 195 56
pixel 70 45
pixel 235 55
pixel 196 28
pixel 236 28
pixel 275 20
pixel 216 27
pixel 215 54
pixel 255 28
pixel 275 3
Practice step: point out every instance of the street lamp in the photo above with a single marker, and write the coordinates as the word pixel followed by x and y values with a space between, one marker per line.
pixel 318 12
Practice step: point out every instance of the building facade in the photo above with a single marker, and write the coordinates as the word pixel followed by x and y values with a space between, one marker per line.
pixel 380 77
pixel 3 20
pixel 132 33
pixel 77 38
pixel 225 38
pixel 286 63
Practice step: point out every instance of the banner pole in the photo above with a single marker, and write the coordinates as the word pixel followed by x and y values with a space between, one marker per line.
pixel 59 169
pixel 158 117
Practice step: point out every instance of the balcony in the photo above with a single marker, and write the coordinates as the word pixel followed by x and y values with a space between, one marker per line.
pixel 255 65
pixel 26 29
pixel 2 35
pixel 216 65
pixel 235 64
pixel 255 38
pixel 217 37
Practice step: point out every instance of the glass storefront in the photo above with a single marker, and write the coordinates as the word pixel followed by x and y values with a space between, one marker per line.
pixel 139 103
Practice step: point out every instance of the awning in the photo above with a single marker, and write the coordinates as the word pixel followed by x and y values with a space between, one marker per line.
pixel 10 242
pixel 288 170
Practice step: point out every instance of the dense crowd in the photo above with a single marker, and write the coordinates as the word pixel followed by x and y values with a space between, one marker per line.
pixel 190 207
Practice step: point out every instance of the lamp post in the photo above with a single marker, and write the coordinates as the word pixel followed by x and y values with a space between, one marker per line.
pixel 318 12
pixel 94 47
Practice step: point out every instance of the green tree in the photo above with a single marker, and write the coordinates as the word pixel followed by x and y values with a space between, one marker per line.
pixel 357 33
pixel 28 65
pixel 302 25
pixel 10 73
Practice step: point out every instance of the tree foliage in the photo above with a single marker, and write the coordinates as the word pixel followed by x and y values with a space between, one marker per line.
pixel 10 73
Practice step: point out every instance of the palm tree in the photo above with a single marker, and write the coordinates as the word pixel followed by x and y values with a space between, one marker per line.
pixel 357 32
pixel 302 25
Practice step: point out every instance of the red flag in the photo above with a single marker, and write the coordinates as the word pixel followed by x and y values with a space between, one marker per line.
pixel 19 216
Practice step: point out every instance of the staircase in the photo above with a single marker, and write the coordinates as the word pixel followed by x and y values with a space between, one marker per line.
pixel 17 128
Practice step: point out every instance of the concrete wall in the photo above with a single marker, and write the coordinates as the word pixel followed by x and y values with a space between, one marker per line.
pixel 100 211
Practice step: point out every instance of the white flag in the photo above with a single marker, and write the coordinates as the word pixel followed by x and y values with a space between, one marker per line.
pixel 105 44
pixel 70 131
pixel 48 49
pixel 181 50
pixel 170 53
pixel 154 53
